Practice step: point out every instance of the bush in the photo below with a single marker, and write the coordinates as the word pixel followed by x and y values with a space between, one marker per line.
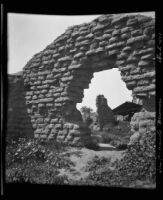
pixel 30 160
pixel 118 136
pixel 138 164
pixel 97 162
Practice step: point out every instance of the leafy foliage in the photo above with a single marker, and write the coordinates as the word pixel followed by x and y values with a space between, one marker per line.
pixel 86 114
pixel 35 162
pixel 138 164
pixel 118 136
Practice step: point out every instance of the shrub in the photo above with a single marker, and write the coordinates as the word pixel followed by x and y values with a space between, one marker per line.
pixel 138 164
pixel 30 160
pixel 118 136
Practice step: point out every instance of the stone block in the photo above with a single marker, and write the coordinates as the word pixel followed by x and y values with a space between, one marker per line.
pixel 151 43
pixel 74 66
pixel 152 93
pixel 100 49
pixel 61 48
pixel 132 21
pixel 127 49
pixel 54 131
pixel 99 27
pixel 56 55
pixel 49 105
pixel 38 131
pixel 120 44
pixel 44 136
pixel 68 126
pixel 58 126
pixel 51 136
pixel 75 34
pixel 84 32
pixel 123 55
pixel 143 63
pixel 113 40
pixel 46 58
pixel 120 63
pixel 78 55
pixel 131 41
pixel 131 85
pixel 136 32
pixel 28 97
pixel 146 57
pixel 119 19
pixel 126 29
pixel 39 120
pixel 112 46
pixel 135 70
pixel 63 59
pixel 45 100
pixel 69 78
pixel 143 82
pixel 106 36
pixel 116 32
pixel 113 52
pixel 149 23
pixel 103 43
pixel 89 36
pixel 132 59
pixel 141 95
pixel 41 126
pixel 125 36
pixel 149 74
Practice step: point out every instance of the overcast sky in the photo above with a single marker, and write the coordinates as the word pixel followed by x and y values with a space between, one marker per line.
pixel 28 34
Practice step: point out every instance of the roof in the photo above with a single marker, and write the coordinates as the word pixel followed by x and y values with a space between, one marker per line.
pixel 127 107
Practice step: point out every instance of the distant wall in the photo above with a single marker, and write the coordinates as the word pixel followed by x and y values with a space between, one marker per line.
pixel 18 121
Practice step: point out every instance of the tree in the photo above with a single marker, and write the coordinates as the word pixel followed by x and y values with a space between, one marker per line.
pixel 86 112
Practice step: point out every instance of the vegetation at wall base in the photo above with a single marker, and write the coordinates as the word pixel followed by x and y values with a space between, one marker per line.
pixel 33 161
pixel 138 166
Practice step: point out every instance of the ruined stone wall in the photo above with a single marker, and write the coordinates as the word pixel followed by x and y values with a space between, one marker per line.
pixel 56 77
pixel 141 123
pixel 18 120
pixel 105 115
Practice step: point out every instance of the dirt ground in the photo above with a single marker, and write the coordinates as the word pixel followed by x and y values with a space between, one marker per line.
pixel 80 158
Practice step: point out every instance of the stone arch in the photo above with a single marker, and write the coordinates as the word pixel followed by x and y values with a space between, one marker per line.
pixel 59 74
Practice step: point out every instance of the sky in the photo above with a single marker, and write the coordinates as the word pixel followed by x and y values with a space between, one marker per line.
pixel 28 34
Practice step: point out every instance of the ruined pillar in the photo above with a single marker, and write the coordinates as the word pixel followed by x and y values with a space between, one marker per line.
pixel 105 115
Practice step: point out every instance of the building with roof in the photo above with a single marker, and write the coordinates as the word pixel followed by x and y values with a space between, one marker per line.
pixel 126 110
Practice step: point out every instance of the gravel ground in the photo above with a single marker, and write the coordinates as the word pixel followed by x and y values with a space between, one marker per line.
pixel 80 158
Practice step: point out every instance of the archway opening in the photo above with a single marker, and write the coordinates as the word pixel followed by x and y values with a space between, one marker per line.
pixel 109 84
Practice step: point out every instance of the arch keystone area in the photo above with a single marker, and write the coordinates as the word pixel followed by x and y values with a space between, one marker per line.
pixel 56 77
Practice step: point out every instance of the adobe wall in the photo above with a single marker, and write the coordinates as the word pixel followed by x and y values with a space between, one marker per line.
pixel 56 77
pixel 18 120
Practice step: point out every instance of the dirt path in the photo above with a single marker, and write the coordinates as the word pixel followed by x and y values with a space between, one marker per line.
pixel 80 158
